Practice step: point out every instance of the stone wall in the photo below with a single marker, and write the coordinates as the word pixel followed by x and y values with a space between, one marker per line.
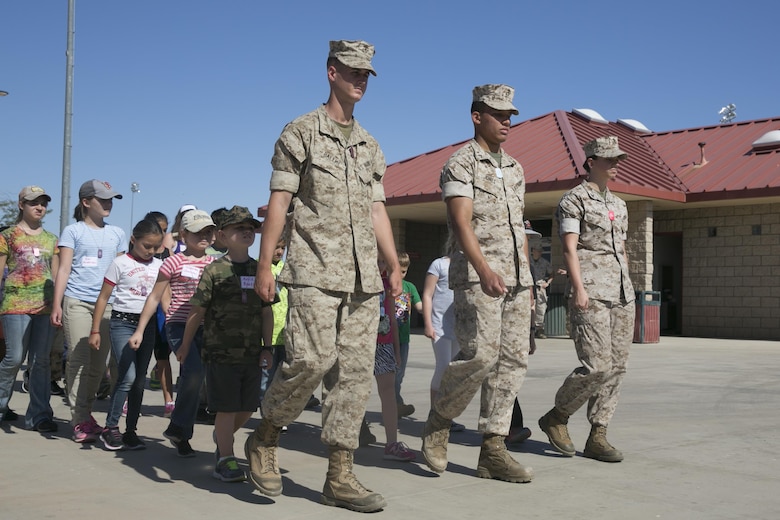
pixel 731 269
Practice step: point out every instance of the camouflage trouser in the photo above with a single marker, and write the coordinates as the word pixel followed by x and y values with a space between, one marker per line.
pixel 493 334
pixel 602 336
pixel 330 337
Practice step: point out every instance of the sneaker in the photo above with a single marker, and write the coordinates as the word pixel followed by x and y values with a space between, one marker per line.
pixel 312 403
pixel 26 381
pixel 517 435
pixel 183 448
pixel 46 426
pixel 398 451
pixel 132 442
pixel 405 410
pixel 84 433
pixel 56 389
pixel 111 438
pixel 8 415
pixel 456 427
pixel 124 409
pixel 169 406
pixel 227 470
pixel 174 433
pixel 96 428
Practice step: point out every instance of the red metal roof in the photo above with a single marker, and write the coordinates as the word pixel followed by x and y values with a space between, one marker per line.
pixel 660 165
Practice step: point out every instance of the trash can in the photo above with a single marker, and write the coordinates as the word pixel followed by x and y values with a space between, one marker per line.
pixel 647 327
pixel 555 317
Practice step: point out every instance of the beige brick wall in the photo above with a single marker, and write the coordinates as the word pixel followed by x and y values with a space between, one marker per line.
pixel 731 276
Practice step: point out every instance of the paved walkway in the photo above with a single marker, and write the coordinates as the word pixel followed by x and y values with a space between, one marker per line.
pixel 699 424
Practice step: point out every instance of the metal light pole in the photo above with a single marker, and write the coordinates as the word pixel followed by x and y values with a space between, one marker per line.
pixel 134 188
pixel 66 144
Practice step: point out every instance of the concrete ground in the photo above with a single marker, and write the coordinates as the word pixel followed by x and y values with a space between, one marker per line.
pixel 698 424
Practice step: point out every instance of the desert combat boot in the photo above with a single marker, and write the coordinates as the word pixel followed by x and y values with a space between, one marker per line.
pixel 342 488
pixel 435 437
pixel 599 448
pixel 260 450
pixel 495 462
pixel 553 423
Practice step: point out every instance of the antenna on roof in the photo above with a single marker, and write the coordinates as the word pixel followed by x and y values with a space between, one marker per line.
pixel 728 113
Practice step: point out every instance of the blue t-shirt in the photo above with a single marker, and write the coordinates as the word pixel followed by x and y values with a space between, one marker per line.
pixel 93 252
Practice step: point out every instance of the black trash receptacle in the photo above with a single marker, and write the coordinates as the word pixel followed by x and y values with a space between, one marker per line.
pixel 647 327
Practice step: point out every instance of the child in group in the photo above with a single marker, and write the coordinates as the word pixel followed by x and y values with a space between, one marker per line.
pixel 408 299
pixel 130 278
pixel 232 317
pixel 386 362
pixel 181 273
pixel 31 255
pixel 87 249
pixel 162 378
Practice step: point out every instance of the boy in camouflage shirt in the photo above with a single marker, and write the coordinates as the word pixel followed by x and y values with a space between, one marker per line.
pixel 233 316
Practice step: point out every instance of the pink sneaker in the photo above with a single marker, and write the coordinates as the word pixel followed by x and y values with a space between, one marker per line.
pixel 398 451
pixel 169 406
pixel 83 433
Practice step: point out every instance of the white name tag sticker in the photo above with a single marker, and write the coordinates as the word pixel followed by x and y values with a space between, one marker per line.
pixel 89 261
pixel 247 282
pixel 190 271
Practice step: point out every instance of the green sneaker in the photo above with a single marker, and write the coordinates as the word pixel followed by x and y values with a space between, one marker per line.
pixel 227 470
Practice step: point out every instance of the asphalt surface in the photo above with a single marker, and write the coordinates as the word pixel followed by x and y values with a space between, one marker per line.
pixel 698 423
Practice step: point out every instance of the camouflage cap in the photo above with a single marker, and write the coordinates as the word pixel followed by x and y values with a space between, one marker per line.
pixel 29 193
pixel 497 97
pixel 237 215
pixel 604 147
pixel 196 220
pixel 353 53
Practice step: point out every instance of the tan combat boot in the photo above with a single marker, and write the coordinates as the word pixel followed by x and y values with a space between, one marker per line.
pixel 342 488
pixel 260 451
pixel 435 437
pixel 599 448
pixel 495 462
pixel 553 423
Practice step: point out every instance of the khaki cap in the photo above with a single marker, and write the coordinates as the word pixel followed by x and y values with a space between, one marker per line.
pixel 497 97
pixel 29 193
pixel 604 147
pixel 353 53
pixel 196 220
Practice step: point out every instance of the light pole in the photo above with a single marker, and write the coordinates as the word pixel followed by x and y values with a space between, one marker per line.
pixel 134 188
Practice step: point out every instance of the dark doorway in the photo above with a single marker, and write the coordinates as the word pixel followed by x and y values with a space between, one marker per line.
pixel 667 279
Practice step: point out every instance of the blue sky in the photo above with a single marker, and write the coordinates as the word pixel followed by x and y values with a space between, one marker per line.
pixel 188 97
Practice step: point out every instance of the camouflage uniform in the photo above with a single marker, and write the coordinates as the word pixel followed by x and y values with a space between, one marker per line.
pixel 493 333
pixel 541 271
pixel 603 332
pixel 232 325
pixel 331 273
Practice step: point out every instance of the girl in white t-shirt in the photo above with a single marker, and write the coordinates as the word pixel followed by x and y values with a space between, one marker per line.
pixel 87 248
pixel 181 273
pixel 130 278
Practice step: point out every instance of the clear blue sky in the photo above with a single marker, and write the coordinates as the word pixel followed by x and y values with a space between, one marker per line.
pixel 188 97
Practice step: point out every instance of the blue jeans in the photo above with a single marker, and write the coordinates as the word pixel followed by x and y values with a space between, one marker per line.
pixel 191 374
pixel 131 371
pixel 32 335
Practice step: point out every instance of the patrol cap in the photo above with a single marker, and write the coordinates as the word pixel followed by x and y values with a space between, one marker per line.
pixel 98 189
pixel 29 193
pixel 497 97
pixel 353 53
pixel 604 147
pixel 237 215
pixel 196 220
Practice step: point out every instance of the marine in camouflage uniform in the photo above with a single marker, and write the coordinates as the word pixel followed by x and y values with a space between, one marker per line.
pixel 327 179
pixel 593 227
pixel 484 189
